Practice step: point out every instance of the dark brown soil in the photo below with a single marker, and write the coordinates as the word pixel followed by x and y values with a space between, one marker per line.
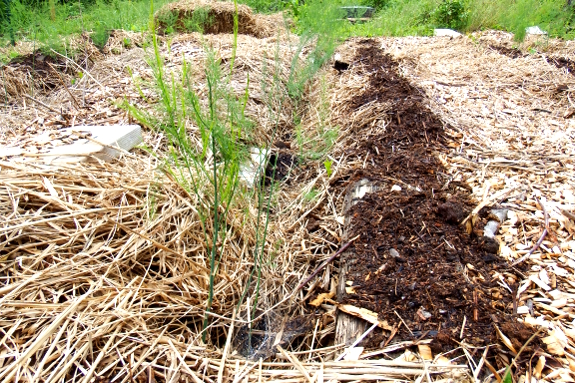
pixel 40 66
pixel 413 261
pixel 564 63
pixel 279 165
pixel 559 62
pixel 514 53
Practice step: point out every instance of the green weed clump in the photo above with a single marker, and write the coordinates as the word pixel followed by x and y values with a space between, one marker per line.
pixel 451 14
pixel 50 24
pixel 198 21
pixel 207 165
pixel 553 16
pixel 420 17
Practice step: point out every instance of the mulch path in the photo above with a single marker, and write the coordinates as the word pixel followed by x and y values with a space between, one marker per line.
pixel 414 263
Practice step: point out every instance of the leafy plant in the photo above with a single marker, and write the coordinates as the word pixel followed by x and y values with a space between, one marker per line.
pixel 208 169
pixel 168 20
pixel 32 20
pixel 293 6
pixel 451 14
pixel 327 164
pixel 377 4
pixel 507 376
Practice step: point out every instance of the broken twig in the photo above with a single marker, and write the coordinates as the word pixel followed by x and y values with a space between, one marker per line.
pixel 540 241
pixel 41 103
pixel 316 271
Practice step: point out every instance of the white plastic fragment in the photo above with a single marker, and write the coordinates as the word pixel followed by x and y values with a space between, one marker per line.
pixel 492 226
pixel 252 170
pixel 446 33
pixel 490 229
pixel 535 30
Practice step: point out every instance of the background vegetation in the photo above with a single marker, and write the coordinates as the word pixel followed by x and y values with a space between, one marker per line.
pixel 47 21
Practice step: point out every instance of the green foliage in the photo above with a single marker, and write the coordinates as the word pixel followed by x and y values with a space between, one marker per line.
pixel 169 19
pixel 266 6
pixel 399 18
pixel 377 4
pixel 420 17
pixel 196 21
pixel 32 20
pixel 311 195
pixel 451 14
pixel 319 26
pixel 199 20
pixel 99 17
pixel 208 169
pixel 508 376
pixel 514 16
pixel 327 164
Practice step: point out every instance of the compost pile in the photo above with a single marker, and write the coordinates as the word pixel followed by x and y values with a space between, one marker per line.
pixel 444 131
pixel 412 256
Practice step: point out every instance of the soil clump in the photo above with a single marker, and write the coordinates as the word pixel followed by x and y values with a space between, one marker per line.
pixel 564 63
pixel 513 53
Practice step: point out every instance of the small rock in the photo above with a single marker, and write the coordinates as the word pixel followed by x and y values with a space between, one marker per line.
pixel 395 254
pixel 424 315
pixel 489 245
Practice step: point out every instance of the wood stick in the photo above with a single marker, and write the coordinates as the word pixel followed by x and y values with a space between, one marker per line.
pixel 41 103
pixel 65 87
pixel 324 264
pixel 540 241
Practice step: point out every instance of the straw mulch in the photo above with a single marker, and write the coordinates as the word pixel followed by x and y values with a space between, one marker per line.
pixel 32 71
pixel 105 277
pixel 219 18
pixel 96 96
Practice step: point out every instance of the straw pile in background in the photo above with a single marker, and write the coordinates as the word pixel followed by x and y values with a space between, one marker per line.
pixel 218 18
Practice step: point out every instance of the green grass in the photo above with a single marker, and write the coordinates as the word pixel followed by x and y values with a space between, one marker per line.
pixel 420 17
pixel 553 16
pixel 33 22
